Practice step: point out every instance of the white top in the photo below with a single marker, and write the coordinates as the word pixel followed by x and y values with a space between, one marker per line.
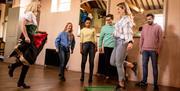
pixel 123 29
pixel 31 18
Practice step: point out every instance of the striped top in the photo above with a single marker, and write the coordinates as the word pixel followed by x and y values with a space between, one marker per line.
pixel 123 29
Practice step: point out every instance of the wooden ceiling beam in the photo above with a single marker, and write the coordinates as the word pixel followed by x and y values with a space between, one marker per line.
pixel 143 4
pixel 137 3
pixel 104 3
pixel 148 4
pixel 88 9
pixel 100 1
pixel 159 4
pixel 132 2
pixel 88 5
pixel 153 4
pixel 133 7
pixel 2 1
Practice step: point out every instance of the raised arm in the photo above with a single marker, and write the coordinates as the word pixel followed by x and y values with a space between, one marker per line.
pixel 128 33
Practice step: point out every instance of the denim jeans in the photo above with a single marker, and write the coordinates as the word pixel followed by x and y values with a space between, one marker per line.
pixel 64 54
pixel 88 48
pixel 146 54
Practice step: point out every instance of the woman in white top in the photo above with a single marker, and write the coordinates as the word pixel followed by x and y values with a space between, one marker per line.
pixel 123 41
pixel 30 45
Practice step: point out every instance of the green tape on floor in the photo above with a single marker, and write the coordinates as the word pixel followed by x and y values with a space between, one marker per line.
pixel 99 88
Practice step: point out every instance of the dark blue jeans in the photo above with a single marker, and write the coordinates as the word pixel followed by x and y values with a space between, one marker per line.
pixel 146 54
pixel 64 54
pixel 88 48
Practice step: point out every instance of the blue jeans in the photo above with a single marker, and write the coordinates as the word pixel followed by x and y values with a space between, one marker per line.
pixel 88 48
pixel 146 54
pixel 64 54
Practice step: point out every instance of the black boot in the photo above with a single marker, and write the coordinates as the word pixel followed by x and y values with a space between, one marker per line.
pixel 22 77
pixel 90 77
pixel 61 74
pixel 12 67
pixel 23 85
pixel 82 77
pixel 62 78
pixel 134 69
pixel 14 53
pixel 90 80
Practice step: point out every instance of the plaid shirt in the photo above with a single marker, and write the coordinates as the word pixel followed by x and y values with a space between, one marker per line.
pixel 123 29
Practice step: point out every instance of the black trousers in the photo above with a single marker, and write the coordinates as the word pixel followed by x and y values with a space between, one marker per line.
pixel 109 70
pixel 24 70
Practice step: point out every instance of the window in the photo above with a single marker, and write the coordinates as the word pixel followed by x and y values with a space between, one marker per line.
pixel 54 4
pixel 60 5
pixel 159 19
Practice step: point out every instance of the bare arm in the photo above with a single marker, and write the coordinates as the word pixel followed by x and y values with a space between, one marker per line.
pixel 24 31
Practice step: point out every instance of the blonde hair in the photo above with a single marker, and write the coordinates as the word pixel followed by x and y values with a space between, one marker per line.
pixel 124 5
pixel 69 23
pixel 33 6
pixel 71 35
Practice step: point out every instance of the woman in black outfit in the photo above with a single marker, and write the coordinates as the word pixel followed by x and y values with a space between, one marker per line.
pixel 30 44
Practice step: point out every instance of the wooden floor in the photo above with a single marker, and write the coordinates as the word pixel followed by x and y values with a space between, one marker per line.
pixel 46 79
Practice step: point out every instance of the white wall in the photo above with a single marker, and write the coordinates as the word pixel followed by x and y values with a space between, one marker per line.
pixel 54 23
pixel 12 34
pixel 2 17
pixel 169 63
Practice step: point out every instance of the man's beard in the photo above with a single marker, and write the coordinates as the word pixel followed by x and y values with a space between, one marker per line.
pixel 150 23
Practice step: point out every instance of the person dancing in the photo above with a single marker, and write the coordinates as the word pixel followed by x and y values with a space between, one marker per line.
pixel 64 42
pixel 30 44
pixel 123 41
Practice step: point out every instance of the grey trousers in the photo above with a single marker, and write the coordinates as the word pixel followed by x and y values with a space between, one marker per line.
pixel 118 56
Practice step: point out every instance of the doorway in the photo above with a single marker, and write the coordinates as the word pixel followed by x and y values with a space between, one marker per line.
pixel 94 9
pixel 140 8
